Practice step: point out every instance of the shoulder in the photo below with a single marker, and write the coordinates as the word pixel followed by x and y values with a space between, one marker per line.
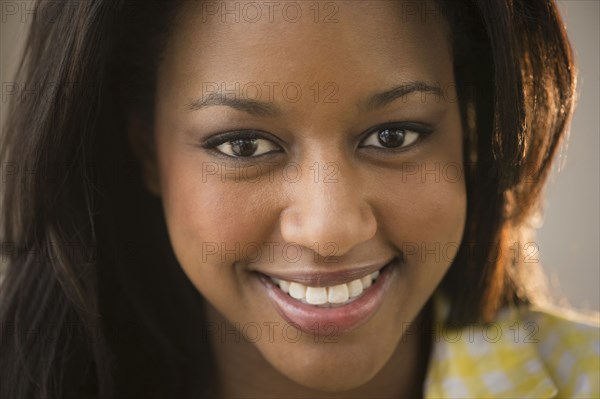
pixel 569 344
pixel 525 352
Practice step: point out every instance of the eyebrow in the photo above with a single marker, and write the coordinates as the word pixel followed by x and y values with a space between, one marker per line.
pixel 267 109
pixel 380 100
pixel 252 107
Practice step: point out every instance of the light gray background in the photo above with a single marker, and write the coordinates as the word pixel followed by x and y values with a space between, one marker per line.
pixel 569 239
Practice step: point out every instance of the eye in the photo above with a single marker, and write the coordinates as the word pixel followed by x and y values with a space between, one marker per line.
pixel 246 147
pixel 391 137
pixel 241 144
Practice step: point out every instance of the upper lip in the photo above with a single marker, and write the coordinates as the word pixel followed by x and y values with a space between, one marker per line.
pixel 330 277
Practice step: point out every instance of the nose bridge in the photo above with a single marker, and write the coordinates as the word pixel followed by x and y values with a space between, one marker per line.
pixel 328 210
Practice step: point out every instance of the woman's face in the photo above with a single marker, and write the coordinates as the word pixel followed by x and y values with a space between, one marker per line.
pixel 331 154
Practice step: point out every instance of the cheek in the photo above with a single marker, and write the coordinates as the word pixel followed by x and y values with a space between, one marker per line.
pixel 212 223
pixel 202 210
pixel 424 217
pixel 426 220
pixel 432 204
pixel 424 207
pixel 210 213
pixel 436 212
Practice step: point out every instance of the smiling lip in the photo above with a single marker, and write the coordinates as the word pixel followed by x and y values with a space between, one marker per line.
pixel 329 278
pixel 335 320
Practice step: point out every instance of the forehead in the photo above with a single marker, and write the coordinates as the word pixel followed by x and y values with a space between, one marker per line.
pixel 353 43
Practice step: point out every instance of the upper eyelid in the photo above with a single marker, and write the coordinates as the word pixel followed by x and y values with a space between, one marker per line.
pixel 225 137
pixel 421 130
pixel 410 126
pixel 222 138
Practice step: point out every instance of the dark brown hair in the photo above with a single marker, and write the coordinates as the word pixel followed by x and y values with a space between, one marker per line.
pixel 93 302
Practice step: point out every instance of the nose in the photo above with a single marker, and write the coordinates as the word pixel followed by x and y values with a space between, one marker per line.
pixel 327 212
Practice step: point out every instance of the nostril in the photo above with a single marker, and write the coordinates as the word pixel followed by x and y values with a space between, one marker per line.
pixel 335 215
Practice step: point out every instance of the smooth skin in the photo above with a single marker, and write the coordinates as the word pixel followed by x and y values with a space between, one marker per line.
pixel 367 204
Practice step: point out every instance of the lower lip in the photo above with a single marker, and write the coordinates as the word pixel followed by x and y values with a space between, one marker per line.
pixel 331 321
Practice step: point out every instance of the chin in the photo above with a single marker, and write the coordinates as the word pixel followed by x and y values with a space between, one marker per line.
pixel 331 372
pixel 332 381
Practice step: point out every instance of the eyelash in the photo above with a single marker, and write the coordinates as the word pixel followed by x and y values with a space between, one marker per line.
pixel 212 142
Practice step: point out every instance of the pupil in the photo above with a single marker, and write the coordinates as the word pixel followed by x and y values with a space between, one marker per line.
pixel 244 147
pixel 391 137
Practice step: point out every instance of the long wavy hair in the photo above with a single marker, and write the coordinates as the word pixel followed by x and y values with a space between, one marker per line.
pixel 93 303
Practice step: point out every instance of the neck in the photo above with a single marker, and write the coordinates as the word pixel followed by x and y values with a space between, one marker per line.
pixel 244 372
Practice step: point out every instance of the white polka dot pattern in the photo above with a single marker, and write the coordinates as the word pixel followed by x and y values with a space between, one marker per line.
pixel 526 352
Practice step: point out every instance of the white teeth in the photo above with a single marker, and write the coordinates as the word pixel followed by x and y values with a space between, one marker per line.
pixel 366 281
pixel 355 288
pixel 297 291
pixel 336 295
pixel 284 285
pixel 316 295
